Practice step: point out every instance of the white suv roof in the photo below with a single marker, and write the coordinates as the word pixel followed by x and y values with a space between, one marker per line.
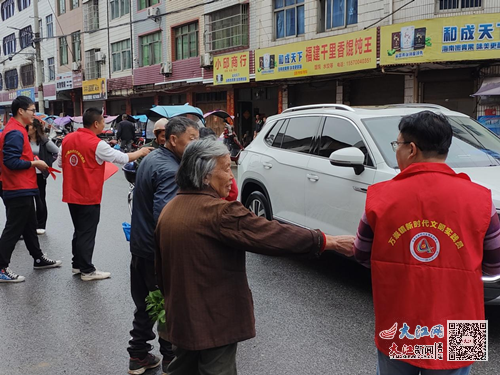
pixel 368 112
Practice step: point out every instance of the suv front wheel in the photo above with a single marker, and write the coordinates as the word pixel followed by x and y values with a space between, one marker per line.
pixel 259 205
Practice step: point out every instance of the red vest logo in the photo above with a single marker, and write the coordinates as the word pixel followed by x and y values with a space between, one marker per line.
pixel 424 247
pixel 73 160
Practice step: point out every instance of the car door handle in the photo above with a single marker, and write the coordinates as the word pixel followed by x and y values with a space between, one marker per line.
pixel 267 165
pixel 312 177
pixel 360 189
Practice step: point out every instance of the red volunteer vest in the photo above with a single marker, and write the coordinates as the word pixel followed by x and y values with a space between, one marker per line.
pixel 429 225
pixel 21 179
pixel 83 175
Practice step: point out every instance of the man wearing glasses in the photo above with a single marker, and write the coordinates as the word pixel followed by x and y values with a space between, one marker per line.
pixel 19 188
pixel 427 234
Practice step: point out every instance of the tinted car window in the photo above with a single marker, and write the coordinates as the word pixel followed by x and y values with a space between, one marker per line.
pixel 339 133
pixel 300 133
pixel 271 137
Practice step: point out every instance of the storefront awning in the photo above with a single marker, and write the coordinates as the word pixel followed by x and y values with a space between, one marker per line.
pixel 490 86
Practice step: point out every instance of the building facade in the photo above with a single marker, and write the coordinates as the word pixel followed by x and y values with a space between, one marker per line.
pixel 254 57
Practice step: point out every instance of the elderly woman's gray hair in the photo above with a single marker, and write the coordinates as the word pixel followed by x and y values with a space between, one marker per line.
pixel 198 161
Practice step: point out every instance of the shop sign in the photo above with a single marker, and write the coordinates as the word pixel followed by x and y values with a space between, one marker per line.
pixel 30 93
pixel 336 54
pixel 77 80
pixel 64 81
pixel 231 69
pixel 490 122
pixel 95 89
pixel 472 37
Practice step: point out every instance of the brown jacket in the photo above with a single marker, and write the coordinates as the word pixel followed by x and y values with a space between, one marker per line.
pixel 200 264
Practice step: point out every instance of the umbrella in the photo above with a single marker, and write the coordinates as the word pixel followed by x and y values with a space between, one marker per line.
pixel 61 121
pixel 220 113
pixel 169 111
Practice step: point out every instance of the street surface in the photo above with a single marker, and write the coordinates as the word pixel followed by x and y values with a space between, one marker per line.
pixel 313 317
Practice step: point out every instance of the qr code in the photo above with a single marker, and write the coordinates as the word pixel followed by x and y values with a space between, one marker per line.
pixel 467 340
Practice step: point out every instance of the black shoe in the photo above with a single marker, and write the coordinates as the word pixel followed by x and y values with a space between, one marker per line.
pixel 138 366
pixel 164 366
pixel 44 262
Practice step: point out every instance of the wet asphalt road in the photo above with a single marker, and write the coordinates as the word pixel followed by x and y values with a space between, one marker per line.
pixel 313 317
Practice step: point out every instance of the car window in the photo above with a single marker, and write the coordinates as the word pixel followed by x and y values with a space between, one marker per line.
pixel 472 144
pixel 271 136
pixel 339 133
pixel 300 133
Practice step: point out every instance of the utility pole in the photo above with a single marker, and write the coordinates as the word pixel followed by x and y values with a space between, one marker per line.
pixel 38 57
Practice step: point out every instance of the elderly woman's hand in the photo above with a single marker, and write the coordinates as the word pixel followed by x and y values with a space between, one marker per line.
pixel 341 244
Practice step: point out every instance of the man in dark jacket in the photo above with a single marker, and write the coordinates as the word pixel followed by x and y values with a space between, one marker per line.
pixel 19 187
pixel 125 133
pixel 155 186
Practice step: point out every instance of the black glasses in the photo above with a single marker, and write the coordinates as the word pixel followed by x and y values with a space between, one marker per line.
pixel 395 144
pixel 31 110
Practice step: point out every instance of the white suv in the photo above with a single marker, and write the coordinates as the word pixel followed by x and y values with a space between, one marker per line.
pixel 311 165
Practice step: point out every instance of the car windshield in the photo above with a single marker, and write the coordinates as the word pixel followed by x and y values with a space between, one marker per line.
pixel 472 144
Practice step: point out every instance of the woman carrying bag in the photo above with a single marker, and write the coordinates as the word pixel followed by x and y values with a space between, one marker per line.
pixel 44 149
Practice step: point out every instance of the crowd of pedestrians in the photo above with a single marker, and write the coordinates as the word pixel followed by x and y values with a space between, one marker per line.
pixel 197 260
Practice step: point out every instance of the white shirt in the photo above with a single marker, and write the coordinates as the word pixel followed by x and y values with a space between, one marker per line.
pixel 103 152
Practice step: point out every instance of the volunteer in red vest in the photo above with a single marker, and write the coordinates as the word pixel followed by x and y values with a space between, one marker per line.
pixel 19 189
pixel 428 234
pixel 82 158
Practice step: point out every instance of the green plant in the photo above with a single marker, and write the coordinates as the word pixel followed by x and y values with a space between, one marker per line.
pixel 156 307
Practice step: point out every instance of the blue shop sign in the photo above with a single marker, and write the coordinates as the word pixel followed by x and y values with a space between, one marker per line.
pixel 29 92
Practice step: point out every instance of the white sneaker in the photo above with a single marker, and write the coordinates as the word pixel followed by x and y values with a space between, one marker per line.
pixel 96 275
pixel 75 271
pixel 40 231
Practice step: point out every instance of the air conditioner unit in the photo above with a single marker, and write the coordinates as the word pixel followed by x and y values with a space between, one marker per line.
pixel 206 60
pixel 153 12
pixel 76 65
pixel 166 68
pixel 99 56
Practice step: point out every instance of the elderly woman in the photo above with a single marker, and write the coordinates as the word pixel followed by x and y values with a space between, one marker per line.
pixel 201 244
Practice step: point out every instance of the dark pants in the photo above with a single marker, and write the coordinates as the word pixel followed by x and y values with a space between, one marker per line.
pixel 126 145
pixel 215 361
pixel 21 220
pixel 85 221
pixel 142 281
pixel 41 204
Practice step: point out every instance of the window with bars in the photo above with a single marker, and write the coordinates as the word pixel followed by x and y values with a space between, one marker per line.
pixel 76 46
pixel 120 53
pixel 74 4
pixel 186 41
pixel 289 18
pixel 91 15
pixel 11 79
pixel 25 37
pixel 338 13
pixel 63 50
pixel 458 4
pixel 61 5
pixel 9 44
pixel 150 49
pixel 40 27
pixel 92 67
pixel 7 9
pixel 23 4
pixel 27 75
pixel 143 4
pixel 119 8
pixel 50 26
pixel 227 28
pixel 52 68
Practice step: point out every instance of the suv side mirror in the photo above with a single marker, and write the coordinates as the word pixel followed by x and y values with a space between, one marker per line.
pixel 349 157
